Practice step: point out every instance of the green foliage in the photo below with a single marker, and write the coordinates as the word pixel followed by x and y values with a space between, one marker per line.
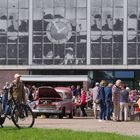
pixel 11 133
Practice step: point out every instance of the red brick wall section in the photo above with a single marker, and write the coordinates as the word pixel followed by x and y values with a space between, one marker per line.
pixel 8 76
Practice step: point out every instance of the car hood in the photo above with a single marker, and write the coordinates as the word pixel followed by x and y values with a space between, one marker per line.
pixel 48 92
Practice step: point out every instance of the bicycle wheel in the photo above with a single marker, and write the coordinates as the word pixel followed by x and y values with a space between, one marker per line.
pixel 22 116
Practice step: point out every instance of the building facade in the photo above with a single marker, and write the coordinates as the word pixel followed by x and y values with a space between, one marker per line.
pixel 87 36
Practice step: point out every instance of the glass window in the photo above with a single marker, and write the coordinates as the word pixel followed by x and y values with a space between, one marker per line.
pixel 96 19
pixel 23 14
pixel 138 50
pixel 81 13
pixel 131 50
pixel 95 61
pixel 59 12
pixel 12 62
pixel 70 13
pixel 59 3
pixel 132 3
pixel 2 50
pixel 48 3
pixel 118 3
pixel 106 38
pixel 81 3
pixel 12 51
pixel 81 51
pixel 23 39
pixel 131 61
pixel 48 51
pixel 96 38
pixel 118 24
pixel 3 20
pixel 117 50
pixel 118 38
pixel 118 13
pixel 23 3
pixel 48 13
pixel 37 14
pixel 13 20
pixel 106 61
pixel 106 50
pixel 132 38
pixel 95 3
pixel 95 50
pixel 12 39
pixel 13 3
pixel 107 3
pixel 23 51
pixel 3 39
pixel 124 74
pixel 37 3
pixel 37 51
pixel 3 3
pixel 59 51
pixel 118 61
pixel 70 3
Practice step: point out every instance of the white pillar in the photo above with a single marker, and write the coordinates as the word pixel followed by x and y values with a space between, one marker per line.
pixel 30 31
pixel 125 34
pixel 88 31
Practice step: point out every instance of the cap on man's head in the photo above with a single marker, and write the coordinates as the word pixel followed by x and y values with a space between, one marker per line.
pixel 17 75
pixel 97 83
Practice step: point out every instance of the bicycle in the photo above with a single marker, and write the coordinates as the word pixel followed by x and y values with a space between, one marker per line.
pixel 20 114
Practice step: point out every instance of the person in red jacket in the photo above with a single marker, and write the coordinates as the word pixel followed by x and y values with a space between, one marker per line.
pixel 83 103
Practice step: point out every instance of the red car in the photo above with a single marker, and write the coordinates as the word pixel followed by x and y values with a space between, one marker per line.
pixel 54 101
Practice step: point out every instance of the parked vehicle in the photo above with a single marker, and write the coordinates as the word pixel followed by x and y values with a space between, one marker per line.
pixel 53 101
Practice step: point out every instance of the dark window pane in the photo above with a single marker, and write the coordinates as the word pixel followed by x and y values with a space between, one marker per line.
pixel 96 38
pixel 118 38
pixel 107 50
pixel 3 39
pixel 23 51
pixel 23 39
pixel 132 38
pixel 48 52
pixel 37 61
pixel 23 62
pixel 2 62
pixel 131 62
pixel 37 51
pixel 23 26
pixel 12 51
pixel 12 39
pixel 131 51
pixel 118 61
pixel 59 51
pixel 95 50
pixel 107 61
pixel 95 61
pixel 12 62
pixel 48 62
pixel 81 51
pixel 58 61
pixel 3 20
pixel 118 24
pixel 117 50
pixel 3 51
pixel 37 25
pixel 37 39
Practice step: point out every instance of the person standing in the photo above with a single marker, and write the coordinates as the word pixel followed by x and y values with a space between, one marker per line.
pixel 5 97
pixel 124 99
pixel 101 98
pixel 83 103
pixel 94 94
pixel 116 100
pixel 17 90
pixel 108 100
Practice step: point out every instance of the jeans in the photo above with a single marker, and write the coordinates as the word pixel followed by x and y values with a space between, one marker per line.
pixel 102 111
pixel 4 103
pixel 108 110
pixel 83 110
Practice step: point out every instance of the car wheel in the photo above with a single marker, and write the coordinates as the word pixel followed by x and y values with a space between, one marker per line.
pixel 62 114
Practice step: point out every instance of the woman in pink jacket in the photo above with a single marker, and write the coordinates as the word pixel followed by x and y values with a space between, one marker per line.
pixel 83 103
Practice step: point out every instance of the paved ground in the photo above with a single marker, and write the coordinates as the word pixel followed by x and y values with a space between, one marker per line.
pixel 88 124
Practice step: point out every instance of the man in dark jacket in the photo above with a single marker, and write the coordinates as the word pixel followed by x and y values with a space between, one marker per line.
pixel 108 100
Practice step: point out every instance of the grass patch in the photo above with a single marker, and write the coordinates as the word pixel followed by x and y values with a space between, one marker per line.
pixel 12 133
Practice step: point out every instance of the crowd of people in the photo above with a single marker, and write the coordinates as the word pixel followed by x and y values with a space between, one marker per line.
pixel 110 101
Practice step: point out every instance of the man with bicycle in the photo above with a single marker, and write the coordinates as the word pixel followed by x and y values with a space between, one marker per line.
pixel 17 89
